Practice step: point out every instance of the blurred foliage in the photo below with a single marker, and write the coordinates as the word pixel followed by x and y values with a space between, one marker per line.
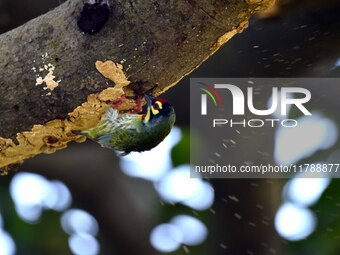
pixel 179 154
pixel 326 238
pixel 43 237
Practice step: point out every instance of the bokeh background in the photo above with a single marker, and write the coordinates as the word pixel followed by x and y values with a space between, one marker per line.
pixel 86 201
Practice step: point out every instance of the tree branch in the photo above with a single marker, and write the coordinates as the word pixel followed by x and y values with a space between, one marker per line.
pixel 48 66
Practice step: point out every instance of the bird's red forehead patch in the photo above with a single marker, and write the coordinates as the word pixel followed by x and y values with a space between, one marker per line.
pixel 162 100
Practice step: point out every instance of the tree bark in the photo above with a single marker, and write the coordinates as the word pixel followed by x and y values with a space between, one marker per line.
pixel 49 67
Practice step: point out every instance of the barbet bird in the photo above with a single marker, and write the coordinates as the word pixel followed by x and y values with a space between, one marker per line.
pixel 129 132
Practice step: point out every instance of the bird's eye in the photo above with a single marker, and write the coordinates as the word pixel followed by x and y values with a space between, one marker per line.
pixel 156 106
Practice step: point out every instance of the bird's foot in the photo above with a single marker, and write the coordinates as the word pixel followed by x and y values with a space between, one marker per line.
pixel 122 99
pixel 122 154
pixel 118 102
pixel 139 105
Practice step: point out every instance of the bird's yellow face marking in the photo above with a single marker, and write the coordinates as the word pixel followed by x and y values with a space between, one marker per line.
pixel 156 107
pixel 154 110
pixel 147 116
pixel 159 104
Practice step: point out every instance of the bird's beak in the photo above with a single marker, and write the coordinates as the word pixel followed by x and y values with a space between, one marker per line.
pixel 148 99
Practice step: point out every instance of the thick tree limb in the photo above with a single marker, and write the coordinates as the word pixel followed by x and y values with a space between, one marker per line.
pixel 48 66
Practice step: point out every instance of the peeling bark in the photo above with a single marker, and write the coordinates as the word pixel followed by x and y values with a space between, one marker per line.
pixel 48 66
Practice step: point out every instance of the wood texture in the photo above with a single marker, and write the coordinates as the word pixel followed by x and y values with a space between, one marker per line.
pixel 48 66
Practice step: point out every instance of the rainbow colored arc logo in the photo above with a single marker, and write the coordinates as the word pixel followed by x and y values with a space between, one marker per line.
pixel 213 94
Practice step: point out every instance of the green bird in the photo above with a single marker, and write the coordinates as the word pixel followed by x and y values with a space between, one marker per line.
pixel 129 132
